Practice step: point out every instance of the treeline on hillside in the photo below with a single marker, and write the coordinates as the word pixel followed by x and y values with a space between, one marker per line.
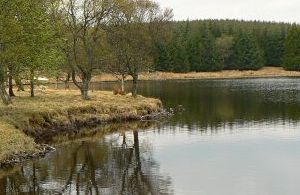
pixel 214 45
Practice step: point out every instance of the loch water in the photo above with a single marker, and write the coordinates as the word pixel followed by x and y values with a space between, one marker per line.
pixel 235 137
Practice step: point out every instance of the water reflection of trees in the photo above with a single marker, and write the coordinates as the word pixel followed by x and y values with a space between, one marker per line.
pixel 115 166
pixel 213 104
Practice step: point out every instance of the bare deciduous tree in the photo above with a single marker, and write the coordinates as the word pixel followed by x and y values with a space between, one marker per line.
pixel 131 39
pixel 85 20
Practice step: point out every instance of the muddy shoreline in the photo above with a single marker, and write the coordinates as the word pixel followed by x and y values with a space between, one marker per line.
pixel 20 158
pixel 45 136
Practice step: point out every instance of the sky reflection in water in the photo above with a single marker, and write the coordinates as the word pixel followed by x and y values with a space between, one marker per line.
pixel 237 136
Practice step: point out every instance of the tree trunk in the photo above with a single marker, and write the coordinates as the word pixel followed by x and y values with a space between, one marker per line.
pixel 134 86
pixel 56 84
pixel 19 84
pixel 123 83
pixel 67 81
pixel 84 86
pixel 85 89
pixel 10 85
pixel 4 96
pixel 32 83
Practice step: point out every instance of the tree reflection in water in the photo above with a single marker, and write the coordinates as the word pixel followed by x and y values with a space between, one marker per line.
pixel 118 164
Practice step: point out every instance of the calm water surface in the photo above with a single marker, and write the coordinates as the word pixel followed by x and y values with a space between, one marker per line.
pixel 236 137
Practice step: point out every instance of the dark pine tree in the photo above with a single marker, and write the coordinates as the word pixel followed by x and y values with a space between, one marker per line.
pixel 246 53
pixel 203 55
pixel 179 49
pixel 292 49
pixel 164 61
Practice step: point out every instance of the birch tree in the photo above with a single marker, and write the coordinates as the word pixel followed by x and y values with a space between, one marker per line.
pixel 131 38
pixel 85 22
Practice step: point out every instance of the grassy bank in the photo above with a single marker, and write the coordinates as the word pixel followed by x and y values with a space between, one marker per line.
pixel 52 111
pixel 264 72
pixel 14 142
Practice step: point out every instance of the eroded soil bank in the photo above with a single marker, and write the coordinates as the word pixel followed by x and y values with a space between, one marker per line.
pixel 29 123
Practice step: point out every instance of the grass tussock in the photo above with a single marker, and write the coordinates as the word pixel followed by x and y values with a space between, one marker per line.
pixel 54 108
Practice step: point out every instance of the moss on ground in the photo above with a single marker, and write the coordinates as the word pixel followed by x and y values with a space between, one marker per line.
pixel 31 116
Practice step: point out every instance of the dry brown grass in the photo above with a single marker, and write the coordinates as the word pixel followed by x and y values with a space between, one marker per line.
pixel 264 72
pixel 14 141
pixel 33 115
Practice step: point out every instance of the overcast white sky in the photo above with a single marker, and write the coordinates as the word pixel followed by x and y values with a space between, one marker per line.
pixel 270 10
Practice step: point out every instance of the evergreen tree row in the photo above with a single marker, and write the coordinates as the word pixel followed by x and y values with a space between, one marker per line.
pixel 214 45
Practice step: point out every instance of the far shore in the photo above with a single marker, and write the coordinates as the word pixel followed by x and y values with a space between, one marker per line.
pixel 266 72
